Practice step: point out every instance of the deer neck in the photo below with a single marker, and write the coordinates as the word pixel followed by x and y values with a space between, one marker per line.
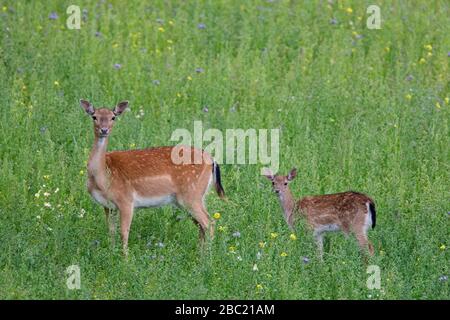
pixel 288 204
pixel 97 162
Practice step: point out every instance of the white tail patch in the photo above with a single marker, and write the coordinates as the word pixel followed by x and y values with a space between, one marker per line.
pixel 368 220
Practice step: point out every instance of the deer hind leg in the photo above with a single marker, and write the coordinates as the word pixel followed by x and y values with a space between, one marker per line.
pixel 110 219
pixel 204 222
pixel 126 215
pixel 364 242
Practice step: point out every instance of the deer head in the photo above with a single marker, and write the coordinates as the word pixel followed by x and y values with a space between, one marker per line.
pixel 103 118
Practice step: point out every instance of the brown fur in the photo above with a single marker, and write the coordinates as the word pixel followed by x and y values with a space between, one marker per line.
pixel 120 178
pixel 345 211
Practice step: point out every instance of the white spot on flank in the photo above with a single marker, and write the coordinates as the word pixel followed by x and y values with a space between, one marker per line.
pixel 368 220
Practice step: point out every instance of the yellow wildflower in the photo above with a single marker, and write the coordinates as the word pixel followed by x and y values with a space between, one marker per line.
pixel 422 61
pixel 387 49
pixel 81 172
pixel 293 237
pixel 438 105
pixel 284 254
pixel 189 78
pixel 232 249
pixel 349 10
pixel 161 29
pixel 262 244
pixel 273 235
pixel 169 41
pixel 216 216
pixel 408 97
pixel 446 99
pixel 259 286
pixel 442 247
pixel 56 83
pixel 171 22
pixel 428 47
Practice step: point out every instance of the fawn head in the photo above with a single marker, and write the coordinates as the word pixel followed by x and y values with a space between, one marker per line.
pixel 103 117
pixel 280 183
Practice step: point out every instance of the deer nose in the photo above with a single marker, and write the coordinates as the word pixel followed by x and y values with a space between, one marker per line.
pixel 104 130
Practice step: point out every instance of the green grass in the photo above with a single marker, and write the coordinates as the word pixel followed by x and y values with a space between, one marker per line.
pixel 346 121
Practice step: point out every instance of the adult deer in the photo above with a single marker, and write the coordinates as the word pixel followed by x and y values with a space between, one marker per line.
pixel 346 211
pixel 126 180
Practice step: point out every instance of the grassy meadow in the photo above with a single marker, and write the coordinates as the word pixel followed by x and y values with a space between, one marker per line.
pixel 357 109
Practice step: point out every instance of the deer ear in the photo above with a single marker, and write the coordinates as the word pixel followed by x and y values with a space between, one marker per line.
pixel 268 173
pixel 121 106
pixel 292 174
pixel 87 106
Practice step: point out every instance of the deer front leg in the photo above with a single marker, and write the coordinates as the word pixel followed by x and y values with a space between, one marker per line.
pixel 126 215
pixel 318 236
pixel 110 219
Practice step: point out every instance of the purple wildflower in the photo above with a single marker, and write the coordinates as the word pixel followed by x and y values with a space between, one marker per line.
pixel 333 21
pixel 199 70
pixel 237 234
pixel 156 82
pixel 53 16
pixel 205 109
pixel 201 26
pixel 98 34
pixel 305 260
pixel 448 54
pixel 409 77
pixel 117 66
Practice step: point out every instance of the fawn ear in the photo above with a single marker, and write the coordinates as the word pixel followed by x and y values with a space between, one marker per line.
pixel 87 106
pixel 292 174
pixel 121 106
pixel 268 174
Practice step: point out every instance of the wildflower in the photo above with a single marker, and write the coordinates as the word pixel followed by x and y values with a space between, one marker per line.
pixel 216 216
pixel 258 255
pixel 428 47
pixel 221 229
pixel 4 8
pixel 46 177
pixel 43 129
pixel 53 16
pixel 438 105
pixel 408 97
pixel 349 10
pixel 262 244
pixel 447 100
pixel 283 254
pixel 160 245
pixel 199 70
pixel 38 217
pixel 201 26
pixel 239 258
pixel 422 61
pixel 409 78
pixel 387 49
pixel 46 194
pixel 132 145
pixel 429 54
pixel 81 172
pixel 37 194
pixel 333 21
pixel 98 34
pixel 160 21
pixel 179 95
pixel 47 205
pixel 95 243
pixel 205 109
pixel 443 278
pixel 82 213
pixel 161 29
pixel 293 237
pixel 156 82
pixel 237 234
pixel 169 41
pixel 259 286
pixel 305 260
pixel 171 22
pixel 255 267
pixel 442 247
pixel 189 78
pixel 232 249
pixel 117 66
pixel 56 83
pixel 115 45
pixel 273 235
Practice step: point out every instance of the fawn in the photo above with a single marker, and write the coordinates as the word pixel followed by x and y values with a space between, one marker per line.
pixel 346 211
pixel 126 180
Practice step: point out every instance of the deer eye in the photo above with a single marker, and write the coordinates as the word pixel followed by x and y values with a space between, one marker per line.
pixel 113 118
pixel 273 183
pixel 94 117
pixel 285 183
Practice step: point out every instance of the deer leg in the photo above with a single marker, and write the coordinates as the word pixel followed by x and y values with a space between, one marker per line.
pixel 203 220
pixel 110 219
pixel 126 215
pixel 364 242
pixel 319 240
